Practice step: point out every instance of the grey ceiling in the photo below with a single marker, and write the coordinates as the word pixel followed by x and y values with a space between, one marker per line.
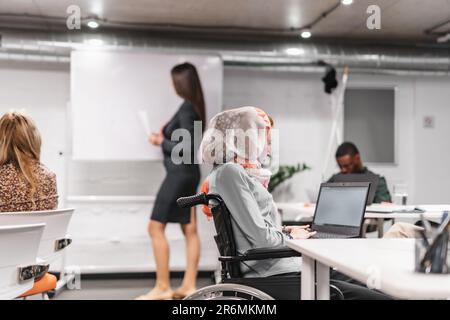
pixel 403 20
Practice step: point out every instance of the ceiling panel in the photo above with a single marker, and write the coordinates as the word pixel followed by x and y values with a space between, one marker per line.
pixel 405 19
pixel 250 13
pixel 401 19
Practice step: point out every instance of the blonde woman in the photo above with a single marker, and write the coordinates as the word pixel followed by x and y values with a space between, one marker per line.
pixel 25 183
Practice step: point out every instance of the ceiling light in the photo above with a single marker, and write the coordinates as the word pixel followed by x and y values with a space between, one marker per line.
pixel 444 38
pixel 306 34
pixel 295 51
pixel 93 24
pixel 347 2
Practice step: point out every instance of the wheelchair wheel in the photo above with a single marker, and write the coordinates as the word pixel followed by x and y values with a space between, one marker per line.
pixel 229 291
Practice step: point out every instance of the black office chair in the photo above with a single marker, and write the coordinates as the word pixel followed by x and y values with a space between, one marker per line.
pixel 233 284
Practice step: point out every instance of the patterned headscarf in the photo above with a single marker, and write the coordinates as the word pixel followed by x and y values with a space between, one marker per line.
pixel 239 135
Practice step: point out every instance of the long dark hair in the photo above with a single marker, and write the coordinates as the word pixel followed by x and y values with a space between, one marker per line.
pixel 187 85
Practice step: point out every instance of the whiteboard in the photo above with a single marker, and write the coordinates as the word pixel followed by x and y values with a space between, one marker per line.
pixel 112 90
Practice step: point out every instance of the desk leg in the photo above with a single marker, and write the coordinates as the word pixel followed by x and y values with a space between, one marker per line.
pixel 308 278
pixel 380 227
pixel 323 282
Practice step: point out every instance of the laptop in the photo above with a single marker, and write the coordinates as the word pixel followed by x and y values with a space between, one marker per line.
pixel 340 210
pixel 361 177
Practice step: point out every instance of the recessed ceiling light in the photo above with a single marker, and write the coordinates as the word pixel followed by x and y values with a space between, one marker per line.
pixel 306 34
pixel 93 24
pixel 347 2
pixel 444 38
pixel 295 51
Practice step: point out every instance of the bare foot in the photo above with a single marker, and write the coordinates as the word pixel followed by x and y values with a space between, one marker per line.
pixel 157 294
pixel 183 292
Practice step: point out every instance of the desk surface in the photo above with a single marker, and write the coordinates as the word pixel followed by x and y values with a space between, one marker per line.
pixel 301 211
pixel 387 264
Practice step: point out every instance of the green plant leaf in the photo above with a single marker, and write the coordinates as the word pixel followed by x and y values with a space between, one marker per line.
pixel 284 173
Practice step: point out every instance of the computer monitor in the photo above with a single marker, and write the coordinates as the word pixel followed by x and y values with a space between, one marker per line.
pixel 341 207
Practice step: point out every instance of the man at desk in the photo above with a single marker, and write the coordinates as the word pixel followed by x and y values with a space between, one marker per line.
pixel 349 161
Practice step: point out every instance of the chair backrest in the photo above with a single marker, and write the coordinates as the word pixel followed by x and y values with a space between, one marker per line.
pixel 224 235
pixel 18 248
pixel 54 238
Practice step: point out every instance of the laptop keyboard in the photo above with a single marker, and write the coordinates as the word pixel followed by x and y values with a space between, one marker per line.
pixel 324 235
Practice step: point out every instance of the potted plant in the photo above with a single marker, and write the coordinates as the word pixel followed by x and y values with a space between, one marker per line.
pixel 284 173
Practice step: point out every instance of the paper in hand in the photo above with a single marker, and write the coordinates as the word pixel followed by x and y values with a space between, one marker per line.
pixel 143 117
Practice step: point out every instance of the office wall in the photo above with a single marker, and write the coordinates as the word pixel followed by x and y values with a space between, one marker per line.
pixel 432 145
pixel 301 111
pixel 42 90
pixel 114 223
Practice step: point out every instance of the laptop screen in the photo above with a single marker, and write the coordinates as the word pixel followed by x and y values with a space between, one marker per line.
pixel 341 205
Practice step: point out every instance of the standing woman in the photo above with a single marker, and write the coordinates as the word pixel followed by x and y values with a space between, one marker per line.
pixel 181 180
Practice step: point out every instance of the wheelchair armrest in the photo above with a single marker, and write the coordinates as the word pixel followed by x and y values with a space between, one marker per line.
pixel 262 254
pixel 270 253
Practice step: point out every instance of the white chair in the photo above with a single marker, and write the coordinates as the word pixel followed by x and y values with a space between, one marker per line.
pixel 55 239
pixel 18 251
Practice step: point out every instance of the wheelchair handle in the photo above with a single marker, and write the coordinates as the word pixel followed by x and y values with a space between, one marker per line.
pixel 191 201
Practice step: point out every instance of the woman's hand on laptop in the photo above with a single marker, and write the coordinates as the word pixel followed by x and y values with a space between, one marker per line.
pixel 300 232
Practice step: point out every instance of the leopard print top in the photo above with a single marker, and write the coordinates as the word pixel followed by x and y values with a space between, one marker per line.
pixel 15 192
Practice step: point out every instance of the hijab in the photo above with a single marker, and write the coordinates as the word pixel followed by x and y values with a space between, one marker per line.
pixel 241 136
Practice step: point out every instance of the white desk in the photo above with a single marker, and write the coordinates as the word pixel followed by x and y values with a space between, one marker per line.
pixel 384 264
pixel 302 212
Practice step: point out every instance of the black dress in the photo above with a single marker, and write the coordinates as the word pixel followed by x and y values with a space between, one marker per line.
pixel 182 179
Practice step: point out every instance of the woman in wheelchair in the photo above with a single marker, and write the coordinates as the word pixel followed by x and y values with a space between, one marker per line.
pixel 238 145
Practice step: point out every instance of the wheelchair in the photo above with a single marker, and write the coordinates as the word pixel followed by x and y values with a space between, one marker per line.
pixel 233 286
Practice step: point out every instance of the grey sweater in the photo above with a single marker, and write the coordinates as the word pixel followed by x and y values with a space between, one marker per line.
pixel 254 218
